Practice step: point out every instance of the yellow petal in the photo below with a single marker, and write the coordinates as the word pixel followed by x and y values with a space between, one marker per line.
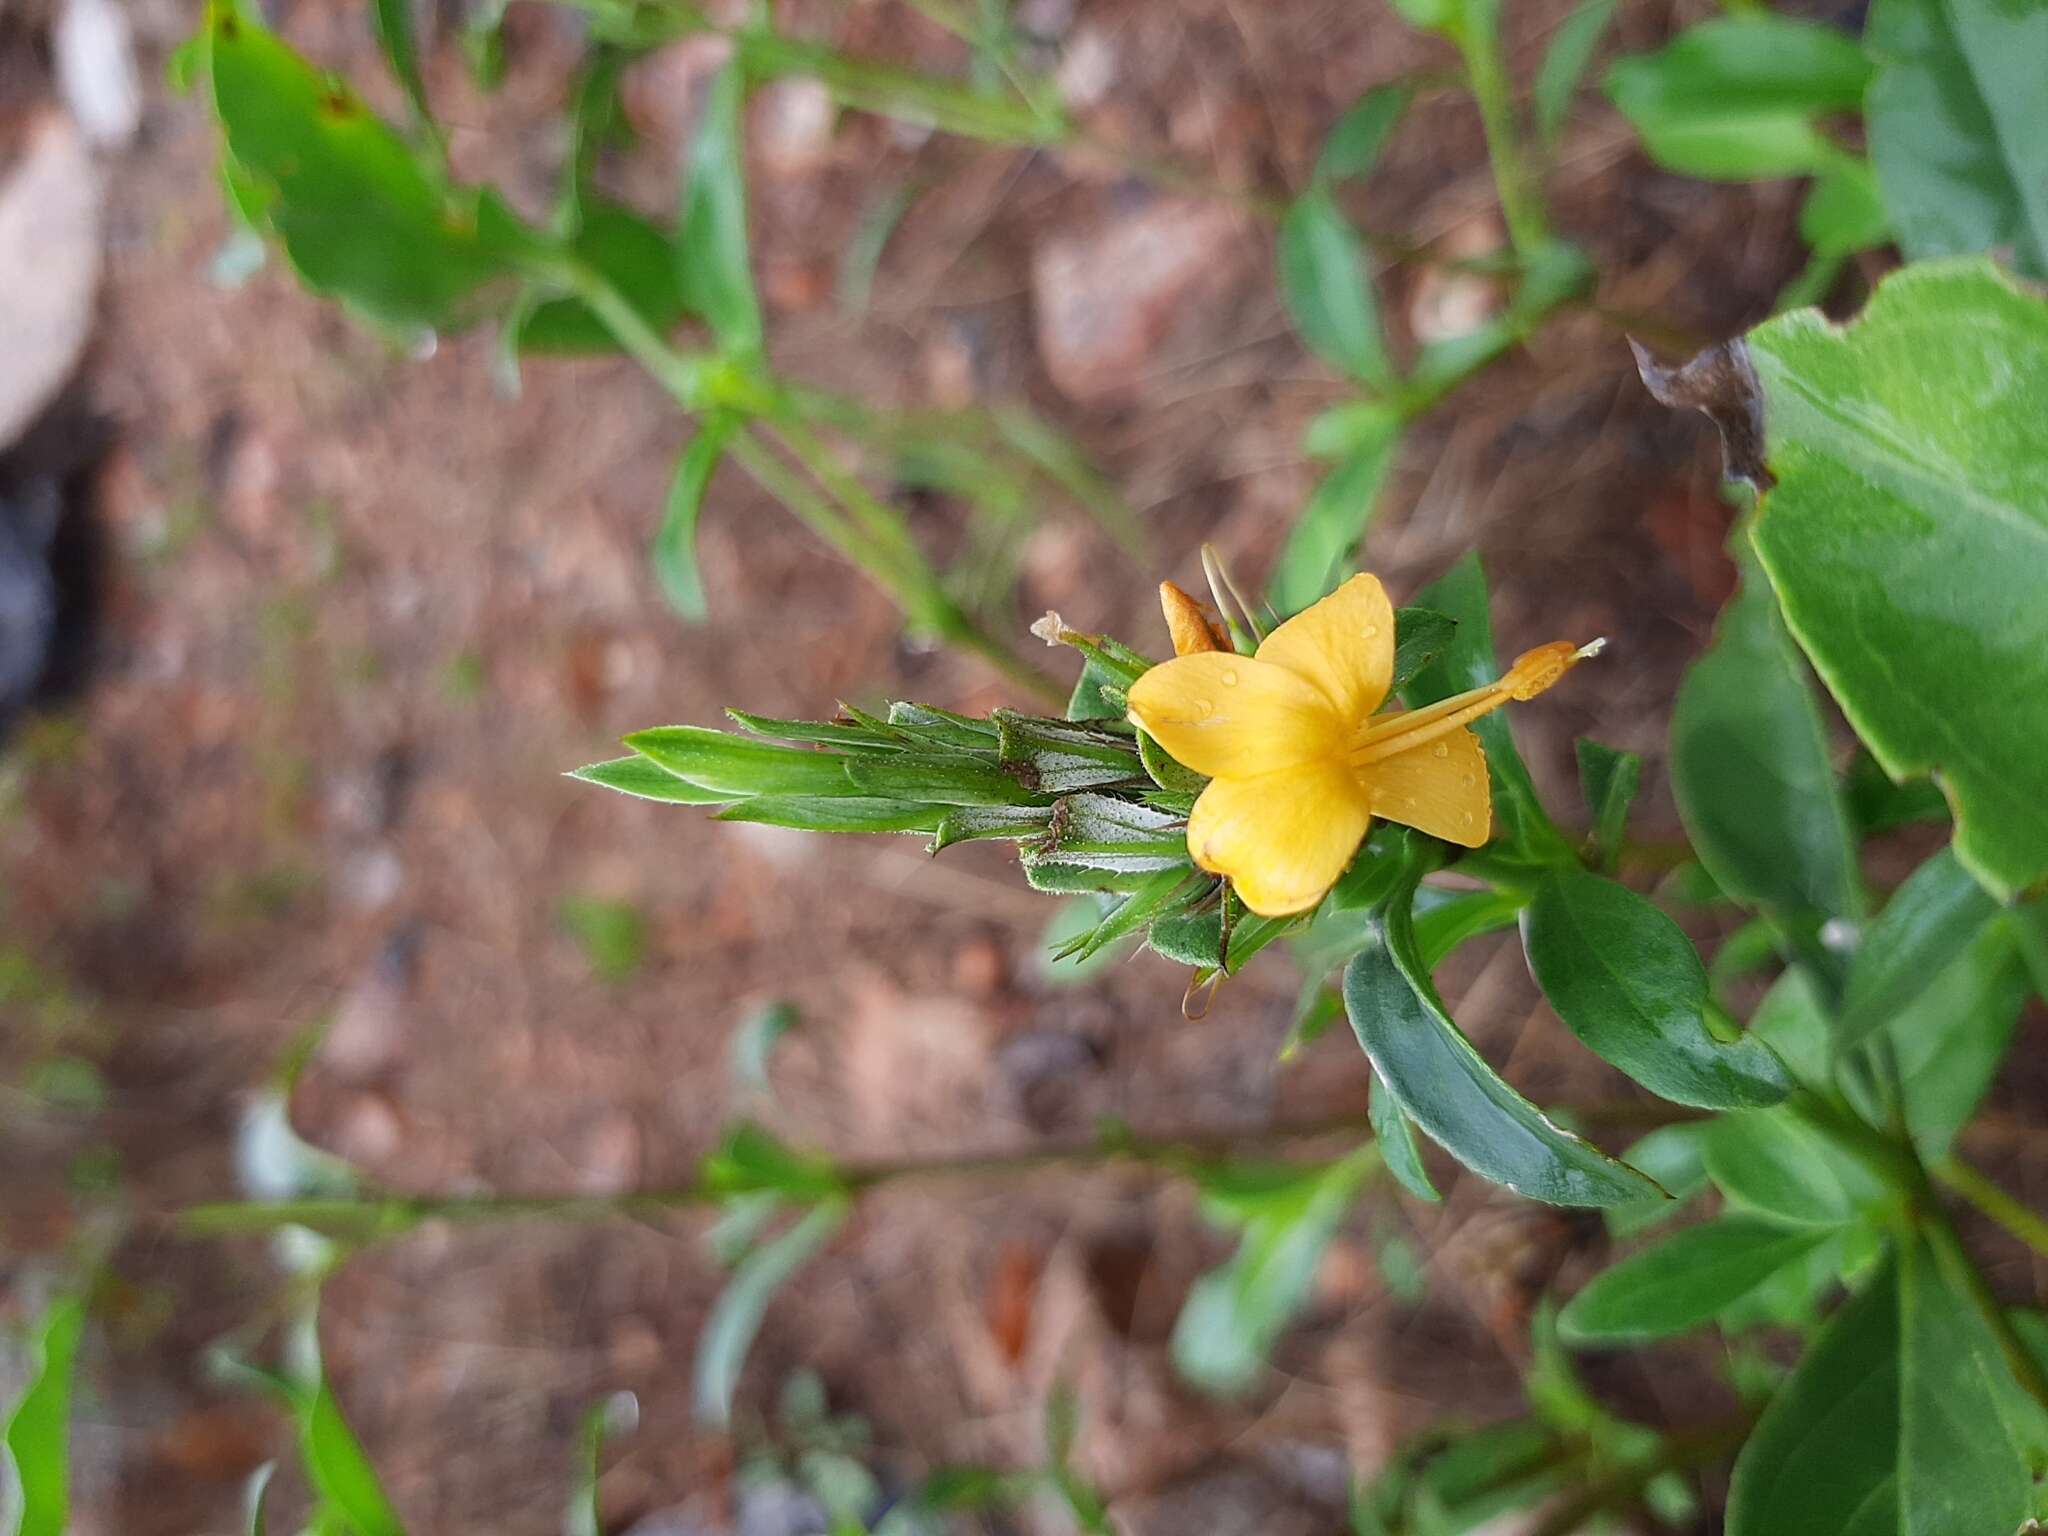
pixel 1222 714
pixel 1439 787
pixel 1190 627
pixel 1343 644
pixel 1283 838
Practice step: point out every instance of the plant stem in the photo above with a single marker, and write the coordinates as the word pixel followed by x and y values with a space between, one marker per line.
pixel 1477 34
pixel 1968 1278
pixel 1991 1201
pixel 1679 1453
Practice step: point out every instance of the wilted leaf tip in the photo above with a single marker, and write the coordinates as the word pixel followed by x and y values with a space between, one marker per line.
pixel 1722 382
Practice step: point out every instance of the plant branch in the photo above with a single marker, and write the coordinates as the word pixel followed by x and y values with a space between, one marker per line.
pixel 1990 1201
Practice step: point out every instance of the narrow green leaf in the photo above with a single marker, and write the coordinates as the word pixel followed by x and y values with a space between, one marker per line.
pixel 646 779
pixel 615 1415
pixel 711 242
pixel 1683 1281
pixel 1446 920
pixel 1446 1087
pixel 1565 62
pixel 1609 780
pixel 1326 285
pixel 1750 769
pixel 1876 466
pixel 1469 662
pixel 1396 1138
pixel 1352 146
pixel 1955 126
pixel 836 813
pixel 1420 636
pixel 1775 1164
pixel 1929 921
pixel 38 1432
pixel 675 546
pixel 736 1316
pixel 339 1468
pixel 1673 1155
pixel 856 736
pixel 739 766
pixel 1326 535
pixel 392 21
pixel 1058 757
pixel 938 779
pixel 971 823
pixel 750 1160
pixel 634 257
pixel 1627 981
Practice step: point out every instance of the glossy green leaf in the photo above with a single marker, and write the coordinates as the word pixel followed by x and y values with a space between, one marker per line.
pixel 1773 1163
pixel 738 766
pixel 674 555
pixel 37 1436
pixel 1469 662
pixel 1565 62
pixel 1609 779
pixel 1955 126
pixel 1929 921
pixel 1795 1022
pixel 1398 1147
pixel 1907 538
pixel 711 242
pixel 1683 1281
pixel 1738 97
pixel 1627 981
pixel 648 780
pixel 634 257
pixel 1876 804
pixel 1446 1087
pixel 1233 1314
pixel 1750 769
pixel 359 218
pixel 1352 146
pixel 1326 284
pixel 1326 535
pixel 1891 1426
pixel 736 1316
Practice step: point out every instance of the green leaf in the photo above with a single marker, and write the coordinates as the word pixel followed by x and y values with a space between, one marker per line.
pixel 38 1432
pixel 1891 1426
pixel 1673 1155
pixel 339 1468
pixel 1683 1281
pixel 392 22
pixel 1843 213
pixel 1420 636
pixel 938 779
pixel 1469 662
pixel 1326 285
pixel 1939 666
pixel 1627 981
pixel 1326 535
pixel 1352 146
pixel 612 935
pixel 1233 1314
pixel 1398 1148
pixel 1057 757
pixel 1169 775
pixel 359 218
pixel 674 554
pixel 737 766
pixel 635 258
pixel 711 243
pixel 615 1415
pixel 1876 804
pixel 1736 98
pixel 754 1042
pixel 736 1316
pixel 1565 62
pixel 1446 1087
pixel 1794 1021
pixel 1750 770
pixel 646 779
pixel 1929 921
pixel 836 813
pixel 1091 697
pixel 1775 1164
pixel 1609 780
pixel 1955 126
pixel 750 1160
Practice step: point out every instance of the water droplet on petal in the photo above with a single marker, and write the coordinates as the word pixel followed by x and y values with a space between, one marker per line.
pixel 1229 677
pixel 1471 779
pixel 1371 630
pixel 1470 818
pixel 1410 801
pixel 1204 709
pixel 1442 750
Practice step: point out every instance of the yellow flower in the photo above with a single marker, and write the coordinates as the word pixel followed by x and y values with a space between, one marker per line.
pixel 1299 763
pixel 1188 624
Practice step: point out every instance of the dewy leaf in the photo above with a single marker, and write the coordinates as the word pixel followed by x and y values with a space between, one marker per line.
pixel 38 1432
pixel 1627 981
pixel 1928 922
pixel 736 1317
pixel 1445 1086
pixel 711 246
pixel 1891 1426
pixel 1683 1281
pixel 1750 769
pixel 1564 64
pixel 674 554
pixel 1327 532
pixel 359 218
pixel 1955 126
pixel 1737 97
pixel 1469 662
pixel 1327 287
pixel 1908 538
pixel 1775 1164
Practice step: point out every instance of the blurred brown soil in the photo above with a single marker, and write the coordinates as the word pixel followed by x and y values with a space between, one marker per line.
pixel 367 610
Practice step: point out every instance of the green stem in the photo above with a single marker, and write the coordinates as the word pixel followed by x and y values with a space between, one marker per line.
pixel 1965 1275
pixel 1478 40
pixel 1991 1201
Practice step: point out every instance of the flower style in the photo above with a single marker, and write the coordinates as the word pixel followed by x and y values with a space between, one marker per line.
pixel 1299 763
